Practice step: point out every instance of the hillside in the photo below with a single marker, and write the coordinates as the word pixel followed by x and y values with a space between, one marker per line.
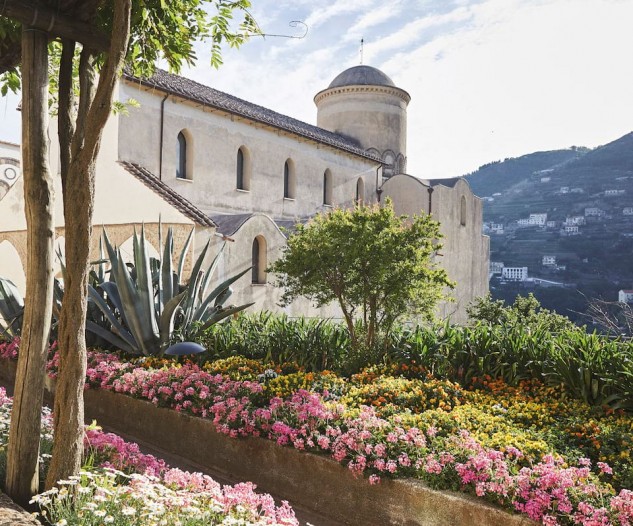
pixel 575 208
pixel 501 175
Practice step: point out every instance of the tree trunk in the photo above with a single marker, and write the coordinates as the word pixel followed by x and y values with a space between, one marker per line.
pixel 24 439
pixel 79 183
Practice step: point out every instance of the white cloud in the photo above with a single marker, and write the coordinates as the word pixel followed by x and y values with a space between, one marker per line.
pixel 375 17
pixel 322 14
pixel 413 31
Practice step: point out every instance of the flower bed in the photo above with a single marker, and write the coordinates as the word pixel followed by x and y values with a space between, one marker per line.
pixel 447 443
pixel 124 486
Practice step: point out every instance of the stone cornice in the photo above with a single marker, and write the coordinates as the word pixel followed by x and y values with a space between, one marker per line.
pixel 385 90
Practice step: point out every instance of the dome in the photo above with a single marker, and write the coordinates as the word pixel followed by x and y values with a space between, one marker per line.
pixel 361 75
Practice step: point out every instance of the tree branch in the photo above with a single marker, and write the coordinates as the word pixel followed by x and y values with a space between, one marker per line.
pixel 59 25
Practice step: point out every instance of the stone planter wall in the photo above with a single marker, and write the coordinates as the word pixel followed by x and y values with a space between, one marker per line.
pixel 311 481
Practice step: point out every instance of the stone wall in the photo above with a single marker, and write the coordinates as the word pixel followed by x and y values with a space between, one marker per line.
pixel 311 481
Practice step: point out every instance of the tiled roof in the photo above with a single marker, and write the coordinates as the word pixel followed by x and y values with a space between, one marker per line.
pixel 228 224
pixel 168 194
pixel 194 91
pixel 448 182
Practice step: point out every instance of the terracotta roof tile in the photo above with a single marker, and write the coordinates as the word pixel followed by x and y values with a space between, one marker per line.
pixel 168 194
pixel 189 89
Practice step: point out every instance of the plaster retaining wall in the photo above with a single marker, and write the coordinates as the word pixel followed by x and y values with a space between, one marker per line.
pixel 311 481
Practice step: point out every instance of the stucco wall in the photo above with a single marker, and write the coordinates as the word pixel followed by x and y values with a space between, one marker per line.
pixel 215 138
pixel 237 256
pixel 465 254
pixel 375 116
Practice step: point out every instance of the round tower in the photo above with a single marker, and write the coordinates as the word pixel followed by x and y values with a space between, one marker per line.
pixel 363 104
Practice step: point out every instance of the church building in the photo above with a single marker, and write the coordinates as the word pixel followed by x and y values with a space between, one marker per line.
pixel 195 157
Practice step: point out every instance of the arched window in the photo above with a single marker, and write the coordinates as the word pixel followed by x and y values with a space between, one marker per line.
pixel 360 191
pixel 289 179
pixel 259 260
pixel 243 171
pixel 327 187
pixel 181 157
pixel 462 211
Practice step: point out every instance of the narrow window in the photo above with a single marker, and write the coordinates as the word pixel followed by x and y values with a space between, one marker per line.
pixel 462 211
pixel 240 169
pixel 181 159
pixel 360 191
pixel 255 261
pixel 243 169
pixel 258 256
pixel 327 187
pixel 289 179
pixel 286 181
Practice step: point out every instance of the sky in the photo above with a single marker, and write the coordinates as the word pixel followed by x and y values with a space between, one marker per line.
pixel 488 79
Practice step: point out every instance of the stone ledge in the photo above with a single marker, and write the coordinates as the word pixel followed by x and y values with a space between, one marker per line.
pixel 309 480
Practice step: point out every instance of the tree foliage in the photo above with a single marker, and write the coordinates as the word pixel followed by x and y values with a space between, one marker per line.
pixel 526 311
pixel 139 33
pixel 379 267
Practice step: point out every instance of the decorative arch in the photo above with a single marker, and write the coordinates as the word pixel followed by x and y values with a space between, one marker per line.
pixel 389 160
pixel 4 189
pixel 462 211
pixel 243 169
pixel 401 165
pixel 11 265
pixel 360 191
pixel 259 260
pixel 9 174
pixel 290 179
pixel 327 187
pixel 184 155
pixel 127 250
pixel 60 248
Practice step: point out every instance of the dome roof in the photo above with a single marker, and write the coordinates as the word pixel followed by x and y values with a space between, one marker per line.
pixel 361 75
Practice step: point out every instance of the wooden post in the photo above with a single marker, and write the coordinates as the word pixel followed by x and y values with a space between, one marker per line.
pixel 22 463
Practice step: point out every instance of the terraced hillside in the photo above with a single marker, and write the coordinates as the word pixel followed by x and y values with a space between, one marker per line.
pixel 588 189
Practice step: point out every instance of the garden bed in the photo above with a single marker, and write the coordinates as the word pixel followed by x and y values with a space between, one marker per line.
pixel 311 481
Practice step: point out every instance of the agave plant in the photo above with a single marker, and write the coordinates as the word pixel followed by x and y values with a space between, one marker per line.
pixel 146 304
pixel 11 309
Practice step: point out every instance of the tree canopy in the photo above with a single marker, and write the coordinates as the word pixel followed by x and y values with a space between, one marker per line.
pixel 379 267
pixel 111 35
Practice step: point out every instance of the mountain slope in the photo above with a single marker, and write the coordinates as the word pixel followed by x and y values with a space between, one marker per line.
pixel 588 189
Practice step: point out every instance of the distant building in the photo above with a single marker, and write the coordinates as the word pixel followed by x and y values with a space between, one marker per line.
pixel 549 261
pixel 495 228
pixel 515 273
pixel 545 179
pixel 537 219
pixel 523 222
pixel 625 296
pixel 612 192
pixel 577 191
pixel 593 212
pixel 571 230
pixel 551 224
pixel 627 211
pixel 564 189
pixel 496 267
pixel 574 220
